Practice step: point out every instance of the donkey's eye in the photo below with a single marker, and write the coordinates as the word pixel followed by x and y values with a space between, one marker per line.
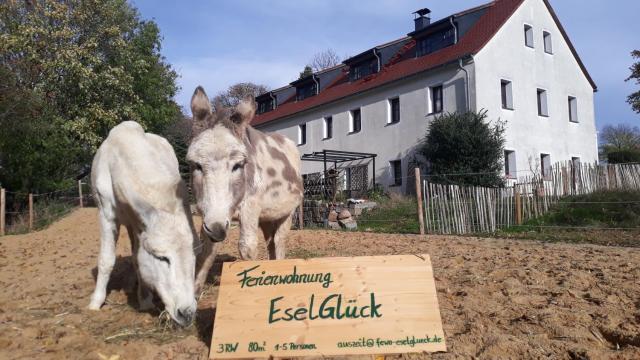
pixel 238 166
pixel 163 259
pixel 197 166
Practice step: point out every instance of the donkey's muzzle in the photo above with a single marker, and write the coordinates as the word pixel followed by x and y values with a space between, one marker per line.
pixel 215 232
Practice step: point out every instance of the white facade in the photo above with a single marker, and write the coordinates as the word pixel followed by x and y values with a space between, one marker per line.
pixel 389 141
pixel 505 57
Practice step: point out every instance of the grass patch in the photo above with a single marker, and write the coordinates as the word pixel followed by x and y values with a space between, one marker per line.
pixel 300 253
pixel 613 209
pixel 605 218
pixel 394 215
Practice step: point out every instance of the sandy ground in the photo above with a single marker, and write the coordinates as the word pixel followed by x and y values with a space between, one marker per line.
pixel 499 299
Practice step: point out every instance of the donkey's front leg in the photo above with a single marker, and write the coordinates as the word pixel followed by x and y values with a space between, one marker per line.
pixel 109 231
pixel 204 262
pixel 279 248
pixel 248 244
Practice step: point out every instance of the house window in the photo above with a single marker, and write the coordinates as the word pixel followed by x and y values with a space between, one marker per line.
pixel 306 91
pixel 575 161
pixel 356 121
pixel 543 109
pixel 396 172
pixel 328 128
pixel 507 94
pixel 573 109
pixel 575 170
pixel 545 166
pixel 436 99
pixel 266 105
pixel 394 111
pixel 358 71
pixel 528 36
pixel 510 164
pixel 302 134
pixel 548 45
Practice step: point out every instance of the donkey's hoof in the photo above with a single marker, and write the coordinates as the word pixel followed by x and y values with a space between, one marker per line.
pixel 94 307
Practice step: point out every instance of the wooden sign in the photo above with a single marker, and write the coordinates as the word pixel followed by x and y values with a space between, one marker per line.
pixel 327 306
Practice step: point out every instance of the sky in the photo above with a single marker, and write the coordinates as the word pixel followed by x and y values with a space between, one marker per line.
pixel 219 43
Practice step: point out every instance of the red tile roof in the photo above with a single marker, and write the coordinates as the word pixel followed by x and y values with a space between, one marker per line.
pixel 402 66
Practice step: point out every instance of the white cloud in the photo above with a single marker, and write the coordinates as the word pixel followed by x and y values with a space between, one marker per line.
pixel 217 74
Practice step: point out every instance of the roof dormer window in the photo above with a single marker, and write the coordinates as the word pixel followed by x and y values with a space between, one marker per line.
pixel 363 69
pixel 435 41
pixel 306 87
pixel 306 91
pixel 364 64
pixel 266 102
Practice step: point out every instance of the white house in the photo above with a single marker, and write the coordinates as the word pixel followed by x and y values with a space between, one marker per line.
pixel 510 57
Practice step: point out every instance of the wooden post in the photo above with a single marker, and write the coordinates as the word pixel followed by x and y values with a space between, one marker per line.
pixel 80 192
pixel 30 212
pixel 518 203
pixel 419 198
pixel 2 211
pixel 301 217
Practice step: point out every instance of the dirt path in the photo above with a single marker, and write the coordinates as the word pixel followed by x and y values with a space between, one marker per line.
pixel 499 298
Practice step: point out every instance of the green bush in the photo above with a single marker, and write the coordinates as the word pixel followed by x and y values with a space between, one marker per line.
pixel 623 156
pixel 377 193
pixel 464 143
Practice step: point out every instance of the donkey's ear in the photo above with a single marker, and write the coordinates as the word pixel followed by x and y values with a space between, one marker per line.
pixel 243 114
pixel 200 108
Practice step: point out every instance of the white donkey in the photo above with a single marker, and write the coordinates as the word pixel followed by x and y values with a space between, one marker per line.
pixel 137 184
pixel 240 172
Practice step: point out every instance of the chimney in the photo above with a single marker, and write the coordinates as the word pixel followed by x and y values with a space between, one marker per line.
pixel 422 18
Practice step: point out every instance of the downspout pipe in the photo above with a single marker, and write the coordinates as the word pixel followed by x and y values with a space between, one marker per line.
pixel 455 30
pixel 315 79
pixel 375 53
pixel 461 65
pixel 466 82
pixel 275 100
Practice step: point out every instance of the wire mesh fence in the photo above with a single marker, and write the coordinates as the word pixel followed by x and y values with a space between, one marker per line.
pixel 448 209
pixel 25 212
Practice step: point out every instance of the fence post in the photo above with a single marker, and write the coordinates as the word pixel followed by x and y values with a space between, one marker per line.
pixel 30 212
pixel 80 192
pixel 419 198
pixel 2 211
pixel 301 217
pixel 518 204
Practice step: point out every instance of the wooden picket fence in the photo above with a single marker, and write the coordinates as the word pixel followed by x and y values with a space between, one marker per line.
pixel 453 209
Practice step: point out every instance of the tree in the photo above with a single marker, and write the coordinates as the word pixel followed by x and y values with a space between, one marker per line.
pixel 85 66
pixel 634 99
pixel 34 154
pixel 235 93
pixel 324 60
pixel 619 137
pixel 308 71
pixel 178 133
pixel 620 143
pixel 465 149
